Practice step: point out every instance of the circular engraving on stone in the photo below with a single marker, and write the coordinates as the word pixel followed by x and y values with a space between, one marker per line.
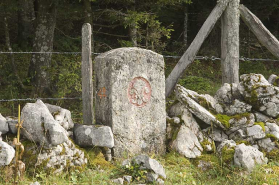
pixel 139 91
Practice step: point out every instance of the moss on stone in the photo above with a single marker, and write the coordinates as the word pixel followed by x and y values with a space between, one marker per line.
pixel 276 81
pixel 243 141
pixel 206 142
pixel 227 154
pixel 273 155
pixel 224 119
pixel 261 124
pixel 96 158
pixel 271 136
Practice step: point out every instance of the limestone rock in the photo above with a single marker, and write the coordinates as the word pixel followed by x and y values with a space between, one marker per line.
pixel 273 129
pixel 237 107
pixel 228 93
pixel 216 134
pixel 58 156
pixel 12 121
pixel 127 179
pixel 7 153
pixel 132 101
pixel 266 144
pixel 40 126
pixel 150 164
pixel 247 157
pixel 272 78
pixel 259 117
pixel 226 143
pixel 259 93
pixel 195 108
pixel 256 132
pixel 204 165
pixel 238 135
pixel 118 181
pixel 63 116
pixel 151 177
pixel 4 127
pixel 241 122
pixel 187 143
pixel 93 135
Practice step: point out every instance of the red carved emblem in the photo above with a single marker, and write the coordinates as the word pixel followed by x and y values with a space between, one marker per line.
pixel 139 91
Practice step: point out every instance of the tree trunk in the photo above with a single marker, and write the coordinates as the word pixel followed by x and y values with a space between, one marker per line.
pixel 189 56
pixel 43 42
pixel 262 33
pixel 8 45
pixel 133 28
pixel 185 28
pixel 26 16
pixel 230 43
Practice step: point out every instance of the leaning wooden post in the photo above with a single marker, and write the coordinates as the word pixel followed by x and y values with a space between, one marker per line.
pixel 86 70
pixel 230 43
pixel 262 33
pixel 189 56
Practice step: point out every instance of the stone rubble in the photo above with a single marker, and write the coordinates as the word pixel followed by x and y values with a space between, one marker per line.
pixel 250 115
pixel 7 153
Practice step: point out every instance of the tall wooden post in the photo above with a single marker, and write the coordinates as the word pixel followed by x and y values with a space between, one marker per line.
pixel 190 54
pixel 230 43
pixel 86 70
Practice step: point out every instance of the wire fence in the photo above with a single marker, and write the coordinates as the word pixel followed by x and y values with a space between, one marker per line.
pixel 165 56
pixel 212 58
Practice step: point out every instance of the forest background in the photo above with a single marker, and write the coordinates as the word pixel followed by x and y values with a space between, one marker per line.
pixel 164 26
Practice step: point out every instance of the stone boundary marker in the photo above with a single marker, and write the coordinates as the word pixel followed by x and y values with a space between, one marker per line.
pixel 130 98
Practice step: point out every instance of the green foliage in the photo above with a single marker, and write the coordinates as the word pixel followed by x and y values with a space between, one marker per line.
pixel 198 84
pixel 224 119
pixel 227 154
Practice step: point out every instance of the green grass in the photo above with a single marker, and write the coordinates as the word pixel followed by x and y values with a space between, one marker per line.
pixel 179 170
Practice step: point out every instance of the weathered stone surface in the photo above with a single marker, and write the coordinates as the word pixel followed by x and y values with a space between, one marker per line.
pixel 238 135
pixel 40 126
pixel 118 181
pixel 35 183
pixel 7 153
pixel 216 134
pixel 131 99
pixel 247 157
pixel 4 127
pixel 187 143
pixel 266 144
pixel 12 121
pixel 259 93
pixel 93 135
pixel 228 93
pixel 273 129
pixel 256 132
pixel 204 165
pixel 150 164
pixel 237 107
pixel 272 78
pixel 151 177
pixel 58 156
pixel 205 100
pixel 259 117
pixel 241 122
pixel 195 108
pixel 226 143
pixel 127 178
pixel 63 116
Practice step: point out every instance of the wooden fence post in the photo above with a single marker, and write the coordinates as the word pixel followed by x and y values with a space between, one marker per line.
pixel 189 56
pixel 262 33
pixel 230 43
pixel 86 71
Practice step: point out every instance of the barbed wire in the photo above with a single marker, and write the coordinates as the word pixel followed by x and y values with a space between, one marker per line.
pixel 35 99
pixel 165 56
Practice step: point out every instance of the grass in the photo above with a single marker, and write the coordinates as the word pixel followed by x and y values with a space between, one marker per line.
pixel 179 170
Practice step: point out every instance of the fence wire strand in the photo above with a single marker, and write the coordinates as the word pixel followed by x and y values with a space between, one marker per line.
pixel 213 58
pixel 166 56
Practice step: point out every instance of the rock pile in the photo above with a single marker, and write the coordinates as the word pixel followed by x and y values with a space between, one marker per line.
pixel 242 119
pixel 49 127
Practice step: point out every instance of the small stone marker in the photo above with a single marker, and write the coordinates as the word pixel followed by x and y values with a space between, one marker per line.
pixel 130 98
